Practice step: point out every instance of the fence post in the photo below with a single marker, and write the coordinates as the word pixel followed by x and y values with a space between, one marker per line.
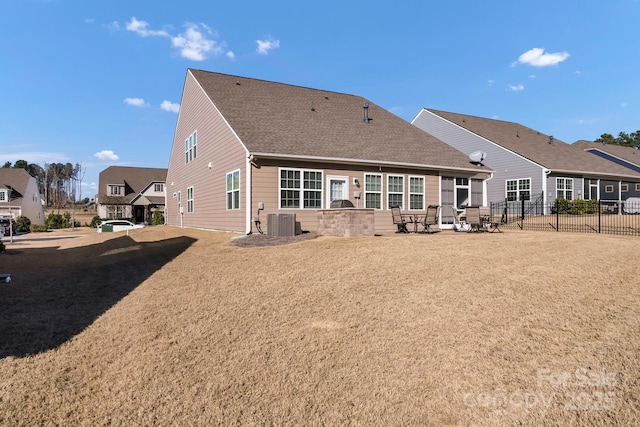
pixel 599 215
pixel 557 215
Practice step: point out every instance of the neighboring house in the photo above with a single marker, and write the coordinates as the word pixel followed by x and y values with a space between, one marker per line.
pixel 528 164
pixel 19 195
pixel 628 157
pixel 242 143
pixel 130 192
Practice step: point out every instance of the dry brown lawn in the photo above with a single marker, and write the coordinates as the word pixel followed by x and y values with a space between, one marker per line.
pixel 171 326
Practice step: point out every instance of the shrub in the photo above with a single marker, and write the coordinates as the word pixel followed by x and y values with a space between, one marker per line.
pixel 95 221
pixel 575 207
pixel 56 221
pixel 36 228
pixel 158 218
pixel 23 223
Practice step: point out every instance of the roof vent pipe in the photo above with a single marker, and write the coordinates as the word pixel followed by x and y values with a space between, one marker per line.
pixel 366 112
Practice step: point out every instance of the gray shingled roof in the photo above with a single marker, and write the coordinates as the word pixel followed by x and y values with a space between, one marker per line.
pixel 17 179
pixel 535 146
pixel 278 119
pixel 134 179
pixel 628 154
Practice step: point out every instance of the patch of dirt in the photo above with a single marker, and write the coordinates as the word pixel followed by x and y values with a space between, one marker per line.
pixel 260 240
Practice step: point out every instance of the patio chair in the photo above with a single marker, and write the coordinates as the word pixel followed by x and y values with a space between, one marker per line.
pixel 458 225
pixel 399 220
pixel 430 219
pixel 474 219
pixel 491 224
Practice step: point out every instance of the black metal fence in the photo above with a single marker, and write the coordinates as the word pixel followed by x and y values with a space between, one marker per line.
pixel 582 216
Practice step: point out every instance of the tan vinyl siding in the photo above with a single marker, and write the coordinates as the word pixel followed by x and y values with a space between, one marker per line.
pixel 216 144
pixel 265 189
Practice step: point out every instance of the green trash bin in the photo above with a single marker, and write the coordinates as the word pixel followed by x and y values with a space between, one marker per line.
pixel 107 227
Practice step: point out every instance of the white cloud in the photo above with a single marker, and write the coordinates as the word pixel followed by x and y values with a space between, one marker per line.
pixel 106 155
pixel 170 106
pixel 624 104
pixel 231 55
pixel 538 58
pixel 194 44
pixel 136 102
pixel 141 28
pixel 532 76
pixel 264 46
pixel 516 88
pixel 490 82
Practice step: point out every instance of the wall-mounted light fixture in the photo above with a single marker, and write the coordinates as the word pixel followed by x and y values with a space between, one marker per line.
pixel 356 182
pixel 210 165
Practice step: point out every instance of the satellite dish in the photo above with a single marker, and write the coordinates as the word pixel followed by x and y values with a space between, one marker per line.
pixel 477 157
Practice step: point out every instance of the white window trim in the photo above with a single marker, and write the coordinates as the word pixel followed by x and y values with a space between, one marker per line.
pixel 190 144
pixel 191 201
pixel 608 188
pixel 402 193
pixel 573 187
pixel 233 190
pixel 423 194
pixel 4 196
pixel 518 190
pixel 300 190
pixel 381 192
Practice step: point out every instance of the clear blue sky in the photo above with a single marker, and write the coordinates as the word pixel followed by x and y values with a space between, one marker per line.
pixel 99 82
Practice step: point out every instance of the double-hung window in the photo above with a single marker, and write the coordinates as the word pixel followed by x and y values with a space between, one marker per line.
pixel 395 190
pixel 190 200
pixel 158 187
pixel 114 190
pixel 372 191
pixel 298 186
pixel 190 147
pixel 3 195
pixel 564 188
pixel 518 189
pixel 233 190
pixel 416 193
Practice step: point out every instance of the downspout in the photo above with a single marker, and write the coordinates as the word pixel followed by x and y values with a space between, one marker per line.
pixel 249 197
pixel 545 193
pixel 484 189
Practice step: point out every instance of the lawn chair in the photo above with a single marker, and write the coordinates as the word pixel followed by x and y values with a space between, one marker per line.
pixel 474 219
pixel 490 224
pixel 457 224
pixel 430 219
pixel 399 219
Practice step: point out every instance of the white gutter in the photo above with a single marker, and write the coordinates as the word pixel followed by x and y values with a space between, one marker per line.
pixel 369 162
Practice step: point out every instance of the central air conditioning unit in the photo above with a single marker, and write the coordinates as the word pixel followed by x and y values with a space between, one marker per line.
pixel 281 225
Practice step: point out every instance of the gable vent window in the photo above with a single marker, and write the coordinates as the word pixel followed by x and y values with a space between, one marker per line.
pixel 190 147
pixel 115 190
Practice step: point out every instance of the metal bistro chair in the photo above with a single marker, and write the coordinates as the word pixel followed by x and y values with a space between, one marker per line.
pixel 399 219
pixel 491 224
pixel 431 219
